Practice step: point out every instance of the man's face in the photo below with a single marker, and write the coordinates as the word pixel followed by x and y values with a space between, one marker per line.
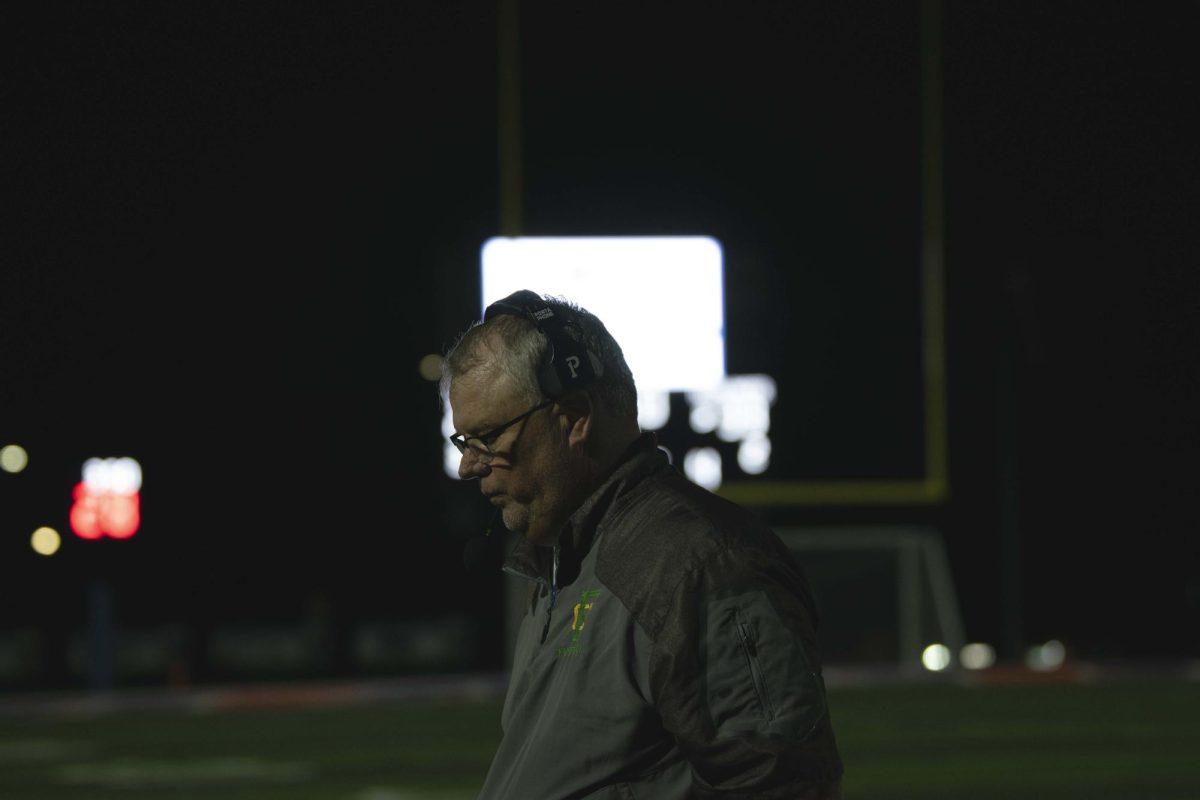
pixel 530 476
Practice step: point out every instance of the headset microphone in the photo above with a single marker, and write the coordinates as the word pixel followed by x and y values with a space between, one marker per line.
pixel 482 552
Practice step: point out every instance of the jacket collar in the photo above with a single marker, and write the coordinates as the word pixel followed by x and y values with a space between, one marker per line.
pixel 639 460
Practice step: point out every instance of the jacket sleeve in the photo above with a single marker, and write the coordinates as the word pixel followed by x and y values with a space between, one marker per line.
pixel 736 676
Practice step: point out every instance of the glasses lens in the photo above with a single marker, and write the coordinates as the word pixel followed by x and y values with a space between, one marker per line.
pixel 477 448
pixel 481 446
pixel 481 451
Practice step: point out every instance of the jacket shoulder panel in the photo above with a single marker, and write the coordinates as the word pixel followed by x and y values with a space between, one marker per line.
pixel 666 531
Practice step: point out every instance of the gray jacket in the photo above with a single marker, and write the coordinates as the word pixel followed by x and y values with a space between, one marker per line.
pixel 668 651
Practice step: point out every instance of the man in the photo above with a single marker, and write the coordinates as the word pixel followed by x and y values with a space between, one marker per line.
pixel 668 649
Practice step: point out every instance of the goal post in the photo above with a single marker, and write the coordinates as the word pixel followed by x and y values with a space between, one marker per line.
pixel 926 604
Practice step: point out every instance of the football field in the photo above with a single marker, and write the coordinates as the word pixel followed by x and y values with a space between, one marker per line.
pixel 1128 740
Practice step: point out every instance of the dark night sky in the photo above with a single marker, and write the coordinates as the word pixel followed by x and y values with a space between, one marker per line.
pixel 232 230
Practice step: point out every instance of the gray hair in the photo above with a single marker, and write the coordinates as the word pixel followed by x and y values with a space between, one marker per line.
pixel 517 349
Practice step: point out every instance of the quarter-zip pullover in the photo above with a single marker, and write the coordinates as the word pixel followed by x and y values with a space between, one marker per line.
pixel 668 650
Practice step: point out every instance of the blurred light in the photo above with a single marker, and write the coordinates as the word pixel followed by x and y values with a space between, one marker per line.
pixel 705 415
pixel 45 541
pixel 637 285
pixel 1046 657
pixel 121 516
pixel 431 367
pixel 450 455
pixel 106 501
pixel 746 406
pixel 977 655
pixel 117 475
pixel 738 407
pixel 703 466
pixel 85 514
pixel 654 408
pixel 754 455
pixel 936 657
pixel 13 458
pixel 451 458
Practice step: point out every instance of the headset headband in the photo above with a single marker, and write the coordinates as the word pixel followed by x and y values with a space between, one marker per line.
pixel 570 364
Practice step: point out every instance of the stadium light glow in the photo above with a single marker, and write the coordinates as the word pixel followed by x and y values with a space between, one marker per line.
pixel 45 541
pixel 745 406
pixel 705 415
pixel 1046 657
pixel 430 367
pixel 936 657
pixel 977 655
pixel 754 455
pixel 654 409
pixel 13 458
pixel 702 465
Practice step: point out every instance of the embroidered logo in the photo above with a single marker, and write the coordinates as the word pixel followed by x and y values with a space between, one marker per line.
pixel 582 608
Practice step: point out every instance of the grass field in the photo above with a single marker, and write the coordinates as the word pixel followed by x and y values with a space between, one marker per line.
pixel 921 742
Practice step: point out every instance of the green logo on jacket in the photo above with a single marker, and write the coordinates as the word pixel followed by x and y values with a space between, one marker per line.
pixel 585 604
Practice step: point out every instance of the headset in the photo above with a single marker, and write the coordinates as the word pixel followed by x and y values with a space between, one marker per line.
pixel 570 365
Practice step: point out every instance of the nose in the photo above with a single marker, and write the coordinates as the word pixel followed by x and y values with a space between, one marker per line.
pixel 470 467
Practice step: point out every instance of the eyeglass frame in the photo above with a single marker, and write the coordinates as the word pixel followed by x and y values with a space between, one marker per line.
pixel 485 454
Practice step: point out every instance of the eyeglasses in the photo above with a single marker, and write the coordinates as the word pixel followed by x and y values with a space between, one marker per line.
pixel 481 445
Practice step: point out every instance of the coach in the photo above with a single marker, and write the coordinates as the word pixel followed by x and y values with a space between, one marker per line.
pixel 668 648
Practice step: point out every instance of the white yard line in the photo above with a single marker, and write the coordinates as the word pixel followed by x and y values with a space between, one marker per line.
pixel 137 773
pixel 400 793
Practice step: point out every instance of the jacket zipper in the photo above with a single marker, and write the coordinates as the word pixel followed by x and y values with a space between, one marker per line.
pixel 760 683
pixel 553 594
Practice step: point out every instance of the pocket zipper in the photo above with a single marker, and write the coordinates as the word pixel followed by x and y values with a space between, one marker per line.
pixel 760 684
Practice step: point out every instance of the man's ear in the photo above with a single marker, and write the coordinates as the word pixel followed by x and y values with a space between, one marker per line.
pixel 576 407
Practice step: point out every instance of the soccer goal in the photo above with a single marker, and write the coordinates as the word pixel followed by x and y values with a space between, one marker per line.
pixel 885 593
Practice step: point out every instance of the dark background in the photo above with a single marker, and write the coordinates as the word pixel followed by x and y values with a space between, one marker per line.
pixel 231 231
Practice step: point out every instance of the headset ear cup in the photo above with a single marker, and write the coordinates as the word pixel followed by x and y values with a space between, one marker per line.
pixel 597 367
pixel 552 384
pixel 570 364
pixel 574 367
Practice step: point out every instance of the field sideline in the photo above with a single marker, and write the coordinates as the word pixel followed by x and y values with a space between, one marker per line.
pixel 1131 738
